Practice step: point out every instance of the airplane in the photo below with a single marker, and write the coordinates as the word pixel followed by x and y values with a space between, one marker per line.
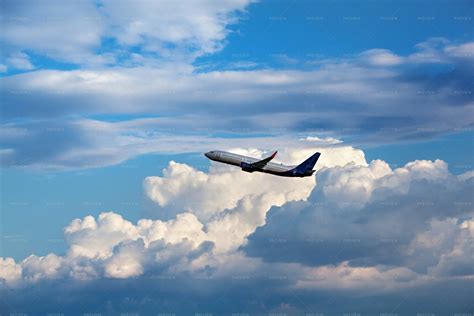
pixel 249 164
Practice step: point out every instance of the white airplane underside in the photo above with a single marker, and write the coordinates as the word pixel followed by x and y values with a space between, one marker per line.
pixel 249 164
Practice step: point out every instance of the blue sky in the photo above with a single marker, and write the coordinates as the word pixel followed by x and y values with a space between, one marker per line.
pixel 301 29
pixel 107 107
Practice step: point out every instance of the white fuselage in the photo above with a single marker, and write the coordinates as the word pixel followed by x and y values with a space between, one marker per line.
pixel 237 160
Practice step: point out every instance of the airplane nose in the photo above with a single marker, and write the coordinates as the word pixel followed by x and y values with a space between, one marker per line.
pixel 208 155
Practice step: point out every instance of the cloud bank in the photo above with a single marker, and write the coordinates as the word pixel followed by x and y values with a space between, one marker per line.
pixel 377 96
pixel 359 226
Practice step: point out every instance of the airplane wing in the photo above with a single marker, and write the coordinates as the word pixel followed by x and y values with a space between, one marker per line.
pixel 261 163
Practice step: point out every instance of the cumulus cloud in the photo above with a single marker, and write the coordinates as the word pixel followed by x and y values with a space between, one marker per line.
pixel 189 187
pixel 183 187
pixel 10 271
pixel 450 240
pixel 112 247
pixel 36 268
pixel 232 203
pixel 96 239
pixel 359 226
pixel 356 226
pixel 372 215
pixel 206 225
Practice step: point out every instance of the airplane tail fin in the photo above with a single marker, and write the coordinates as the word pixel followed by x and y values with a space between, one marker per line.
pixel 307 166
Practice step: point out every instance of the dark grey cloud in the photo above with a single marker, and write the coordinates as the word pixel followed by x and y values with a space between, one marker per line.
pixel 255 296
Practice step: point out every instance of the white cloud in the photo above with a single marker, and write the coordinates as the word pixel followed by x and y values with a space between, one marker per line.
pixel 64 32
pixel 96 239
pixel 416 217
pixel 10 271
pixel 441 50
pixel 344 276
pixel 381 57
pixel 357 184
pixel 429 51
pixel 361 226
pixel 111 246
pixel 92 143
pixel 324 140
pixel 74 32
pixel 243 64
pixel 465 50
pixel 184 188
pixel 233 203
pixel 433 50
pixel 20 61
pixel 377 102
pixel 345 186
pixel 193 30
pixel 127 261
pixel 455 235
pixel 36 268
pixel 3 68
pixel 208 194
